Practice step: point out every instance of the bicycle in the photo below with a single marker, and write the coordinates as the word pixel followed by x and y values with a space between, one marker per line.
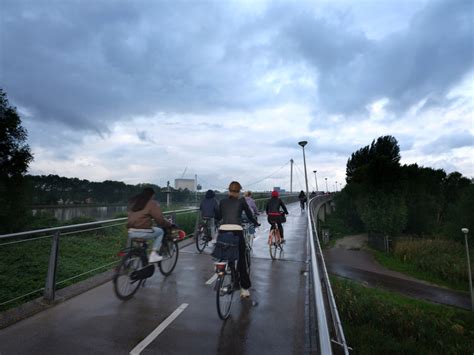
pixel 134 268
pixel 274 241
pixel 227 276
pixel 203 234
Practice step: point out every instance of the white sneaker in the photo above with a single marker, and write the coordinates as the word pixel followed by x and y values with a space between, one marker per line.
pixel 154 257
pixel 244 293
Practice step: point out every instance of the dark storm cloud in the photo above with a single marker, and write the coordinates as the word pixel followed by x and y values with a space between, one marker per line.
pixel 90 65
pixel 458 139
pixel 424 61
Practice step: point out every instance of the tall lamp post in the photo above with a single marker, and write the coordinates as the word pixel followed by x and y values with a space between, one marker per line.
pixel 302 144
pixel 466 231
pixel 326 184
pixel 315 179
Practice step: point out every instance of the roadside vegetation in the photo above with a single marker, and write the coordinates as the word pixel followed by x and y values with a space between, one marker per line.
pixel 439 261
pixel 380 322
pixel 392 201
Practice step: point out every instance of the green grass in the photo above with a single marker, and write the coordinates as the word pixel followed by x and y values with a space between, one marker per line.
pixel 380 322
pixel 442 262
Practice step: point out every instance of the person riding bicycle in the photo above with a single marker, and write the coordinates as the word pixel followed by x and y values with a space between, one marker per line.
pixel 276 211
pixel 230 210
pixel 303 199
pixel 210 209
pixel 142 210
pixel 251 202
pixel 253 207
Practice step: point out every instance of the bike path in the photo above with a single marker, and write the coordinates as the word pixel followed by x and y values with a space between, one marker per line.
pixel 96 322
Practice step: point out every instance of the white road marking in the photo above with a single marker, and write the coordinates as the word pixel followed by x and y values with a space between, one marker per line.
pixel 212 279
pixel 152 336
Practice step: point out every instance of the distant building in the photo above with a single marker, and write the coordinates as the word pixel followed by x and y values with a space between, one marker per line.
pixel 189 184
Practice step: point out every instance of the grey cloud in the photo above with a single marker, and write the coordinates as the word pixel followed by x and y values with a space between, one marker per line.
pixel 425 61
pixel 318 147
pixel 89 66
pixel 458 139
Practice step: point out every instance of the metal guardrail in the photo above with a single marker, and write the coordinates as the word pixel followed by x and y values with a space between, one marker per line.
pixel 329 325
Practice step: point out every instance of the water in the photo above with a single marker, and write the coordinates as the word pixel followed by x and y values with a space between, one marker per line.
pixel 66 213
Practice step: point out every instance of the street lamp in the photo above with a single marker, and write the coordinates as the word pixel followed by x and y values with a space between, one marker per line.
pixel 302 144
pixel 326 184
pixel 315 179
pixel 465 231
pixel 336 187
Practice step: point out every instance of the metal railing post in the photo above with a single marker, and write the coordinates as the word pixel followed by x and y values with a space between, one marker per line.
pixel 50 285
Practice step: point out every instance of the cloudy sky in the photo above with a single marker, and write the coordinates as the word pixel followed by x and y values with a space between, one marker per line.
pixel 138 91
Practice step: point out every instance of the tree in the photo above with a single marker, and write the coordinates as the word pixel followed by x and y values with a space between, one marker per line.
pixel 15 156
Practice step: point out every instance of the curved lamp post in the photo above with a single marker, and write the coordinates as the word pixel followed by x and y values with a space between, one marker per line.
pixel 302 144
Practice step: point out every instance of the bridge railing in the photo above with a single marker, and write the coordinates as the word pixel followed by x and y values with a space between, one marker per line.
pixel 24 257
pixel 331 337
pixel 31 257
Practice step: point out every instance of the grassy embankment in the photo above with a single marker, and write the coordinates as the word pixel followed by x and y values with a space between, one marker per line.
pixel 23 266
pixel 380 322
pixel 439 261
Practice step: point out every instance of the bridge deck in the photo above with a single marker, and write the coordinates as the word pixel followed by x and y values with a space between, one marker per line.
pixel 271 321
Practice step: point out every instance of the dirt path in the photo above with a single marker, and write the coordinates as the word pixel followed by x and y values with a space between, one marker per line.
pixel 351 258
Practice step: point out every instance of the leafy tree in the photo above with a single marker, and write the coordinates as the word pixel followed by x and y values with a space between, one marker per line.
pixel 15 156
pixel 383 213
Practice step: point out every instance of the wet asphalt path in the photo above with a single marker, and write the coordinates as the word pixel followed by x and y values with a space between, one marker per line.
pixel 96 322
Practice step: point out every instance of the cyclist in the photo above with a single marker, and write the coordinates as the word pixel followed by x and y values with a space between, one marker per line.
pixel 302 198
pixel 142 209
pixel 276 211
pixel 251 202
pixel 253 207
pixel 210 209
pixel 230 211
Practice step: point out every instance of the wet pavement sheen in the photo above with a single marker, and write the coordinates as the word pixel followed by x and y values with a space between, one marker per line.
pixel 96 322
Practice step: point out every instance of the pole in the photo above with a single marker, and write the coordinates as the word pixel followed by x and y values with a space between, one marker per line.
pixel 291 176
pixel 196 187
pixel 466 231
pixel 50 284
pixel 327 190
pixel 305 175
pixel 168 194
pixel 316 179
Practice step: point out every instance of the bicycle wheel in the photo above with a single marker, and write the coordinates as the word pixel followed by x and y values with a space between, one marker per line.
pixel 124 286
pixel 272 244
pixel 201 239
pixel 224 294
pixel 169 252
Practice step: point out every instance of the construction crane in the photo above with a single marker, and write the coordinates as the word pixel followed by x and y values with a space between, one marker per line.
pixel 184 172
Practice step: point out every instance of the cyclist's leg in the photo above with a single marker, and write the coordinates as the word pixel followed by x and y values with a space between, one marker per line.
pixel 280 229
pixel 212 228
pixel 242 263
